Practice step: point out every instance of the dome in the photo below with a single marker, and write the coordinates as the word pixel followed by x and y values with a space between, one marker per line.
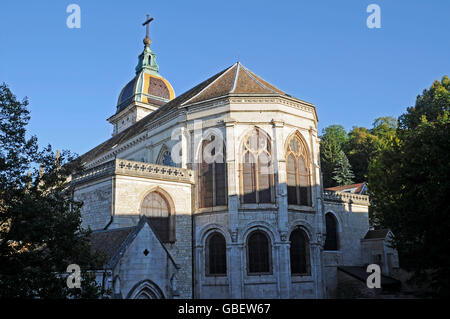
pixel 147 88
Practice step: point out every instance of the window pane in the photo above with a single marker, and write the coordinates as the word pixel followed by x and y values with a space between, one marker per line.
pixel 258 253
pixel 299 252
pixel 291 183
pixel 331 240
pixel 221 184
pixel 217 257
pixel 249 179
pixel 155 208
pixel 305 190
pixel 206 185
pixel 264 179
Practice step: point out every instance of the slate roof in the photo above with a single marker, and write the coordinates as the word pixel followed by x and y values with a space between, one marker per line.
pixel 234 79
pixel 377 234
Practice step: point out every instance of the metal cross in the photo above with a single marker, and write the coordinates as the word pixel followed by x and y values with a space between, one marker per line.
pixel 147 23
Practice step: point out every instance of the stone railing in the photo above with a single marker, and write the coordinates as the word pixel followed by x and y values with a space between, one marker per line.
pixel 137 169
pixel 345 197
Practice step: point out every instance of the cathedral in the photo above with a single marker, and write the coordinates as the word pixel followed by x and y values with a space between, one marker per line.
pixel 217 193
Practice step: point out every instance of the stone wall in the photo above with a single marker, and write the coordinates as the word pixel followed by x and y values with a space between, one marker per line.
pixel 353 224
pixel 97 201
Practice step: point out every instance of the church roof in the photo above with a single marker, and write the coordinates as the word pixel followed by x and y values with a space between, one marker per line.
pixel 235 79
pixel 112 243
pixel 377 234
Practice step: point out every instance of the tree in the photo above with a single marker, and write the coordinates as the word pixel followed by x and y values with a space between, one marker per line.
pixel 364 145
pixel 409 187
pixel 342 173
pixel 40 224
pixel 332 141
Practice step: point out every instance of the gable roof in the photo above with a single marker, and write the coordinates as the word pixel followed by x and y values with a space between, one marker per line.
pixel 377 234
pixel 234 79
pixel 113 242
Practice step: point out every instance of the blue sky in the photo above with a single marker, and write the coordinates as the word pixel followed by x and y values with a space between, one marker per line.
pixel 318 51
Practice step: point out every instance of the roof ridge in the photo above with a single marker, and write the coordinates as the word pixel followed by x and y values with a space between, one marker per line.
pixel 198 93
pixel 257 81
pixel 236 77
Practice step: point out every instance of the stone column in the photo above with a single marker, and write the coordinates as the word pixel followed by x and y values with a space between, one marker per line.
pixel 284 277
pixel 234 249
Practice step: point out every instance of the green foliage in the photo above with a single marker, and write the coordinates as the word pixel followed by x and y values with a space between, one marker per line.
pixel 409 183
pixel 364 145
pixel 342 173
pixel 40 232
pixel 332 141
pixel 431 104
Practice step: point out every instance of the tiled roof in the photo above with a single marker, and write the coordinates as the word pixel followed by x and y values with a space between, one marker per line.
pixel 139 126
pixel 109 242
pixel 236 79
pixel 377 234
pixel 358 188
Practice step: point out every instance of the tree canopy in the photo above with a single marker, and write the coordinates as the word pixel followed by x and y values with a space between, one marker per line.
pixel 409 183
pixel 40 223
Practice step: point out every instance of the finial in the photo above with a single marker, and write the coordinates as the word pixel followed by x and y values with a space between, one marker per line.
pixel 147 39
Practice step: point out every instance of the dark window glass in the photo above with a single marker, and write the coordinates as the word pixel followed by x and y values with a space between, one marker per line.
pixel 217 255
pixel 212 180
pixel 298 177
pixel 331 240
pixel 156 209
pixel 258 249
pixel 257 172
pixel 299 251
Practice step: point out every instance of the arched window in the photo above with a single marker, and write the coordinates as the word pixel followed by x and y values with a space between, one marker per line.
pixel 298 176
pixel 165 157
pixel 256 170
pixel 156 209
pixel 259 253
pixel 212 174
pixel 299 251
pixel 216 259
pixel 331 240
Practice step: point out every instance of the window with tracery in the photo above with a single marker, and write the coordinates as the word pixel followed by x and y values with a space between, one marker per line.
pixel 212 175
pixel 256 169
pixel 298 172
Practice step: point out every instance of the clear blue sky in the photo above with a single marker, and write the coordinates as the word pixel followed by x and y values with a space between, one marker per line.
pixel 318 51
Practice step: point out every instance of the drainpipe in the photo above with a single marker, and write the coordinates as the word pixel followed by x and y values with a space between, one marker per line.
pixel 113 202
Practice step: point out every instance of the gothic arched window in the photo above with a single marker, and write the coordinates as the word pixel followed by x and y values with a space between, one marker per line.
pixel 256 169
pixel 298 175
pixel 331 240
pixel 299 251
pixel 216 259
pixel 156 208
pixel 212 175
pixel 165 157
pixel 258 253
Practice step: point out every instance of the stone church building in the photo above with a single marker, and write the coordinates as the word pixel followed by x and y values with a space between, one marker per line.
pixel 217 193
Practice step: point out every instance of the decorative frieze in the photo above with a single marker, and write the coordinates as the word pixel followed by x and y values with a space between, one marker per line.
pixel 346 197
pixel 137 169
